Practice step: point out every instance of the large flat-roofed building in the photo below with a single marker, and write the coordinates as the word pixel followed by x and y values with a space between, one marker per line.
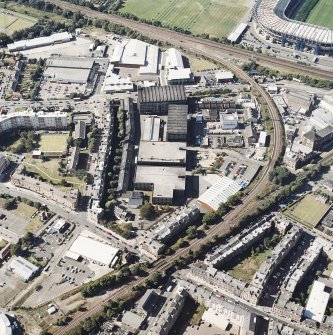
pixel 177 123
pixel 218 193
pixel 317 303
pixel 23 268
pixel 162 153
pixel 4 163
pixel 76 70
pixel 33 120
pixel 166 182
pixel 40 42
pixel 174 59
pixel 136 54
pixel 93 250
pixel 156 99
pixel 176 73
pixel 224 76
pixel 229 121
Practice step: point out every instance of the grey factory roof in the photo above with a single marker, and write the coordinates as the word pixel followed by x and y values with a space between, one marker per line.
pixel 177 119
pixel 165 179
pixel 67 74
pixel 80 130
pixel 70 62
pixel 23 268
pixel 165 153
pixel 74 159
pixel 132 320
pixel 172 93
pixel 326 131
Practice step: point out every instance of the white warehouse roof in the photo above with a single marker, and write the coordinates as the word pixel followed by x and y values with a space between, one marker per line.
pixel 151 63
pixel 23 268
pixel 317 303
pixel 132 52
pixel 180 74
pixel 174 59
pixel 40 41
pixel 219 193
pixel 94 250
pixel 224 75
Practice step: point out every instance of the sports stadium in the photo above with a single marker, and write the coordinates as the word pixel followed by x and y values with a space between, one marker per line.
pixel 272 18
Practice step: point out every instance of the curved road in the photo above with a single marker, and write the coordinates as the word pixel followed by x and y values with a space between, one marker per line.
pixel 194 44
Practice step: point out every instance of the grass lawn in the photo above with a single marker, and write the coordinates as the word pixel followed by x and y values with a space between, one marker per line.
pixel 322 14
pixel 246 269
pixel 54 142
pixel 308 211
pixel 198 64
pixel 49 171
pixel 26 212
pixel 35 13
pixel 214 17
pixel 12 21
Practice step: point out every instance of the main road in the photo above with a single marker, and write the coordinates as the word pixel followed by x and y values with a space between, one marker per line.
pixel 195 44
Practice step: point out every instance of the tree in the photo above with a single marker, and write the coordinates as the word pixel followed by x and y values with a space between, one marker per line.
pixel 235 199
pixel 15 249
pixel 280 175
pixel 147 211
pixel 28 238
pixel 191 232
pixel 210 218
pixel 63 182
pixel 9 203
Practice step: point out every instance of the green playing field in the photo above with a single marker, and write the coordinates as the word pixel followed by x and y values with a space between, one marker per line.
pixel 214 17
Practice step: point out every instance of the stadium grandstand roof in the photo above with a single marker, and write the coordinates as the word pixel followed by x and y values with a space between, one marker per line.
pixel 271 17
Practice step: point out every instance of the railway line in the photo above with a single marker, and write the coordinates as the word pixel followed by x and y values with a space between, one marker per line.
pixel 216 52
pixel 248 205
pixel 194 44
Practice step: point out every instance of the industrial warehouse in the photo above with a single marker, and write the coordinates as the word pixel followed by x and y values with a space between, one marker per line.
pixel 40 42
pixel 136 54
pixel 94 250
pixel 271 18
pixel 156 99
pixel 76 70
pixel 161 160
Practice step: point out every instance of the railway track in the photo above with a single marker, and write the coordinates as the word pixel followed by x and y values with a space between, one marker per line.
pixel 194 44
pixel 220 229
pixel 250 202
